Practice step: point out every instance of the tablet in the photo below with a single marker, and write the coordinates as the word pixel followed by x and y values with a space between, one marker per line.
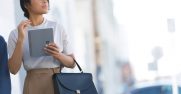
pixel 38 38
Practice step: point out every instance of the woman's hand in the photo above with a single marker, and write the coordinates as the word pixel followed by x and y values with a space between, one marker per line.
pixel 21 29
pixel 53 50
pixel 66 60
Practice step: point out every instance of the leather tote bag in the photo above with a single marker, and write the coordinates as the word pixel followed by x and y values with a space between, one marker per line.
pixel 74 83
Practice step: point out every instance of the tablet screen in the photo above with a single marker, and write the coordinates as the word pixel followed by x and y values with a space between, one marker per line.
pixel 38 38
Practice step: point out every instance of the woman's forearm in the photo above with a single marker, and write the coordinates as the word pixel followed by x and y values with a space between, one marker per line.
pixel 15 60
pixel 67 60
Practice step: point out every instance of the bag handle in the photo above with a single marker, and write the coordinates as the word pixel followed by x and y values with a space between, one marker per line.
pixel 80 69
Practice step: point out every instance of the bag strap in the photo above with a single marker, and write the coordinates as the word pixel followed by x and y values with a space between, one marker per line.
pixel 80 69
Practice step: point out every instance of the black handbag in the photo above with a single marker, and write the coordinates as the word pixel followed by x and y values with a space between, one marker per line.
pixel 74 83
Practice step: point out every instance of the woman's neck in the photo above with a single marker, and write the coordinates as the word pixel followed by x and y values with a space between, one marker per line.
pixel 36 20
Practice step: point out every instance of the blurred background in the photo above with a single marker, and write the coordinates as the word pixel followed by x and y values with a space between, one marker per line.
pixel 130 46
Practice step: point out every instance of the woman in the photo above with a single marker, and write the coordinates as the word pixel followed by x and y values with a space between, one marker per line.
pixel 39 70
pixel 5 83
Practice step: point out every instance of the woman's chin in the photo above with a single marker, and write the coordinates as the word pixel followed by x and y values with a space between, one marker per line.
pixel 44 12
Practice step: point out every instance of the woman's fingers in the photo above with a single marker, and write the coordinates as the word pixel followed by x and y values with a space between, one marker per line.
pixel 24 24
pixel 49 51
pixel 53 45
pixel 53 48
pixel 21 29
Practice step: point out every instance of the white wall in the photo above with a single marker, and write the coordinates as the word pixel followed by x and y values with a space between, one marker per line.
pixel 7 24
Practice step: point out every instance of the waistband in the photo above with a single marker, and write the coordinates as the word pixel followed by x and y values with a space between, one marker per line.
pixel 44 70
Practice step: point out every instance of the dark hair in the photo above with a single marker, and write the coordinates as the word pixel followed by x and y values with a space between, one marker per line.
pixel 23 4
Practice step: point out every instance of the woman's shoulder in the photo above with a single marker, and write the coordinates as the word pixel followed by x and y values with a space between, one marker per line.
pixel 50 21
pixel 54 22
pixel 57 25
pixel 13 33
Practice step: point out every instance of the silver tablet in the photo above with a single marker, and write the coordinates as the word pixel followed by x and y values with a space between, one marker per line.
pixel 38 38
